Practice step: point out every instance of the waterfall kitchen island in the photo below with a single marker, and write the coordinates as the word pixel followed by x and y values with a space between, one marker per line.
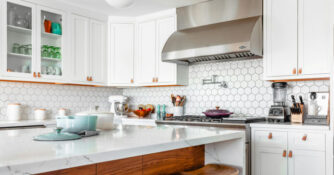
pixel 131 149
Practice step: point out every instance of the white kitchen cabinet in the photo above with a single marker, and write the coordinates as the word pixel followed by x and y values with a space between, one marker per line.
pixel 314 37
pixel 307 163
pixel 122 41
pixel 270 161
pixel 98 61
pixel 280 38
pixel 292 151
pixel 24 37
pixel 89 54
pixel 146 62
pixel 166 73
pixel 296 39
pixel 80 45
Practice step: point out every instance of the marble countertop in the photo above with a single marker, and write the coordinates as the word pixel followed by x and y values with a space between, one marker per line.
pixel 289 125
pixel 26 123
pixel 21 155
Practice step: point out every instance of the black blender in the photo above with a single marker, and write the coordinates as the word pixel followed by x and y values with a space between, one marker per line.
pixel 279 112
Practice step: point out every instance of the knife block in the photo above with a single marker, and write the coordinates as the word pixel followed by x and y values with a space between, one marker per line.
pixel 298 117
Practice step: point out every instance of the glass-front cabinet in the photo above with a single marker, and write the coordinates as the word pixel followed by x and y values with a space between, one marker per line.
pixel 50 43
pixel 20 39
pixel 35 42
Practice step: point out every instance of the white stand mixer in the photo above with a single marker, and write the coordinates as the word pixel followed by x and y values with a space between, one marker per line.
pixel 119 106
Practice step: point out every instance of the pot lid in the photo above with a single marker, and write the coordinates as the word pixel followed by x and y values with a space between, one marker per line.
pixel 57 136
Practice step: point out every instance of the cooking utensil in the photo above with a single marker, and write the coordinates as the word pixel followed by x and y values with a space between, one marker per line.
pixel 217 113
pixel 58 135
pixel 77 124
pixel 105 120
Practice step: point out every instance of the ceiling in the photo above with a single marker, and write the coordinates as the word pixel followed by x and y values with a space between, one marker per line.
pixel 140 7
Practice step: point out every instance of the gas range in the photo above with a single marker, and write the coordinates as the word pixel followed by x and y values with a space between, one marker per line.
pixel 199 119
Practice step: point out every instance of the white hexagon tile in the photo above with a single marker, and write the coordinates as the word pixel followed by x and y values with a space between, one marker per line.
pixel 247 94
pixel 53 97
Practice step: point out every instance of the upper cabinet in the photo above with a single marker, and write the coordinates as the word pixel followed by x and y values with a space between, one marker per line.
pixel 19 41
pixel 146 62
pixel 135 53
pixel 34 45
pixel 297 39
pixel 89 63
pixel 122 42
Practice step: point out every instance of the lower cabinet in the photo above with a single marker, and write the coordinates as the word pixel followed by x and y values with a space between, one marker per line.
pixel 288 152
pixel 168 162
pixel 270 161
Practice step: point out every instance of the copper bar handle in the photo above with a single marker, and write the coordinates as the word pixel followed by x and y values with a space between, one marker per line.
pixel 284 153
pixel 304 138
pixel 290 154
pixel 294 72
pixel 39 75
pixel 270 136
pixel 87 78
pixel 35 74
pixel 153 80
pixel 300 71
pixel 157 80
pixel 132 80
pixel 91 79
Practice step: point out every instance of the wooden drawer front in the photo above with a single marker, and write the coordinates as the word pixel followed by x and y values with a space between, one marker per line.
pixel 129 166
pixel 83 170
pixel 174 161
pixel 307 141
pixel 271 139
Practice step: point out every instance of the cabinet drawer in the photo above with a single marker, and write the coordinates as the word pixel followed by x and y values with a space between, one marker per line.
pixel 271 139
pixel 307 141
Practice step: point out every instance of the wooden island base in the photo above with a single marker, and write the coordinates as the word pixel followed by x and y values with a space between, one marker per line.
pixel 168 162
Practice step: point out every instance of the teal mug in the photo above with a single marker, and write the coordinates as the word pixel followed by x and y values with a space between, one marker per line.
pixel 56 28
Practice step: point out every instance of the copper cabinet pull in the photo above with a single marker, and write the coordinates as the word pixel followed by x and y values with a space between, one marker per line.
pixel 304 138
pixel 156 80
pixel 284 153
pixel 153 80
pixel 91 79
pixel 300 71
pixel 294 72
pixel 87 78
pixel 39 75
pixel 35 74
pixel 132 80
pixel 270 136
pixel 290 154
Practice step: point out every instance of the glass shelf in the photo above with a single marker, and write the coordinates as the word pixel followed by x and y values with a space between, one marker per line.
pixel 51 59
pixel 18 29
pixel 20 55
pixel 51 35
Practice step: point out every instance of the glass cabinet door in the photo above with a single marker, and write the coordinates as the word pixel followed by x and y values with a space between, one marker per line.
pixel 19 38
pixel 51 43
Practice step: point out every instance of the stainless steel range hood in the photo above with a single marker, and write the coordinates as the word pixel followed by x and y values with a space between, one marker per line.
pixel 216 30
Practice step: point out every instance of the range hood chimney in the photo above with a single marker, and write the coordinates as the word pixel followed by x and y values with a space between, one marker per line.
pixel 216 30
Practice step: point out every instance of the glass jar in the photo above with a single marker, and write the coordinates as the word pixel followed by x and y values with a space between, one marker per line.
pixel 279 91
pixel 15 48
pixel 28 49
pixel 22 49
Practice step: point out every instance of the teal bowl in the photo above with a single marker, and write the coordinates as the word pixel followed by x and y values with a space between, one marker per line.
pixel 77 124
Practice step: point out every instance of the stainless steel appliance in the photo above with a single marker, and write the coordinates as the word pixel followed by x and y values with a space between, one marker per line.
pixel 216 30
pixel 119 105
pixel 279 112
pixel 237 122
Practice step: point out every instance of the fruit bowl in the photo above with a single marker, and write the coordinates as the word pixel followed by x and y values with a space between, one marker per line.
pixel 141 112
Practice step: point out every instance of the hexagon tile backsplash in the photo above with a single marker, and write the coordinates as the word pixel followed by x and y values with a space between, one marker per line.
pixel 247 93
pixel 53 97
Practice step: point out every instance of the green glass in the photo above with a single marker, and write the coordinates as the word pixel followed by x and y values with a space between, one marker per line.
pixel 22 49
pixel 15 48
